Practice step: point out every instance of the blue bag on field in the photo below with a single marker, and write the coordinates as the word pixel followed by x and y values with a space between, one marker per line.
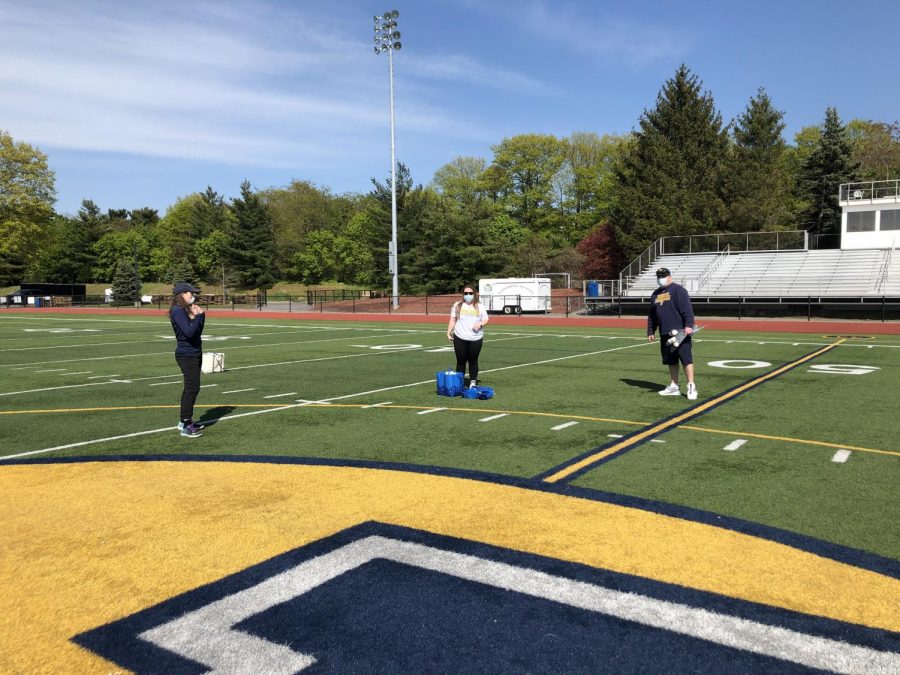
pixel 449 383
pixel 482 393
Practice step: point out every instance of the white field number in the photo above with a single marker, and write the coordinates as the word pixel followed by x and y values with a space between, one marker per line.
pixel 833 368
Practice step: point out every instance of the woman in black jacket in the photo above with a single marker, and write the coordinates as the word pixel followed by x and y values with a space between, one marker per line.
pixel 187 319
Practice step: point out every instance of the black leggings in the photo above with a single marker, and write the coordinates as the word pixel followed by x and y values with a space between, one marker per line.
pixel 467 351
pixel 190 368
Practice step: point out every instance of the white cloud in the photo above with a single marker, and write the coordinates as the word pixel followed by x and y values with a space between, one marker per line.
pixel 238 83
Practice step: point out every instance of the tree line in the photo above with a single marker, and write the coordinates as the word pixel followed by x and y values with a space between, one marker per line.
pixel 584 204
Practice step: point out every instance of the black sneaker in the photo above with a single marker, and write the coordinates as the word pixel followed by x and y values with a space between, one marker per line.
pixel 191 430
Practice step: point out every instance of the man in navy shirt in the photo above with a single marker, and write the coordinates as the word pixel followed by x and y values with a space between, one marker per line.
pixel 670 310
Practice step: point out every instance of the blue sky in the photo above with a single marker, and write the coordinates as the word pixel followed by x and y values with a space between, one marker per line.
pixel 138 103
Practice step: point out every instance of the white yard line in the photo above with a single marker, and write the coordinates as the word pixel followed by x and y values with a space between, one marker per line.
pixel 239 391
pixel 100 377
pixel 563 426
pixel 290 393
pixel 377 405
pixel 204 386
pixel 162 384
pixel 493 417
pixel 841 456
pixel 51 370
pixel 298 405
pixel 614 435
pixel 734 445
pixel 82 372
pixel 429 411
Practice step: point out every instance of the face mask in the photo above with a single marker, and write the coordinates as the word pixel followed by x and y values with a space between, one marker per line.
pixel 662 282
pixel 191 300
pixel 468 297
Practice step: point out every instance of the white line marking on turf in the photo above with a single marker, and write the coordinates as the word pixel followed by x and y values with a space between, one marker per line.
pixel 162 384
pixel 563 426
pixel 100 377
pixel 52 370
pixel 841 456
pixel 430 410
pixel 734 445
pixel 303 401
pixel 376 405
pixel 493 417
pixel 298 405
pixel 203 386
pixel 82 372
pixel 290 393
pixel 238 391
pixel 614 435
pixel 656 440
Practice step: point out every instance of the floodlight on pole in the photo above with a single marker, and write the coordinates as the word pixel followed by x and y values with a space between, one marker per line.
pixel 387 39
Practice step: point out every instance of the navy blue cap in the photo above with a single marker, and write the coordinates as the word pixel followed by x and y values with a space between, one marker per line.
pixel 184 287
pixel 663 272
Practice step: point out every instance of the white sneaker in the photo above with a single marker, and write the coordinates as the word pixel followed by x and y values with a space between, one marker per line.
pixel 692 391
pixel 671 390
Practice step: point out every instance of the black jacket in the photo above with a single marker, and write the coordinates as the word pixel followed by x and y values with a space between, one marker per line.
pixel 187 332
pixel 670 309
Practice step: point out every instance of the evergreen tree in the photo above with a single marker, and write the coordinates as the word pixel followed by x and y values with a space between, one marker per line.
pixel 757 185
pixel 252 254
pixel 669 182
pixel 126 284
pixel 829 165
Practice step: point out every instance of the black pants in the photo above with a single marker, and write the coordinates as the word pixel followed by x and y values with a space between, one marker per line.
pixel 190 368
pixel 467 352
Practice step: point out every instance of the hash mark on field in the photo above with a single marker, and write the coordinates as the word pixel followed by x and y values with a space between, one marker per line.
pixel 493 417
pixel 377 405
pixel 238 391
pixel 208 385
pixel 303 401
pixel 734 445
pixel 656 440
pixel 563 426
pixel 290 393
pixel 614 435
pixel 841 456
pixel 160 384
pixel 100 377
pixel 430 410
pixel 83 372
pixel 52 370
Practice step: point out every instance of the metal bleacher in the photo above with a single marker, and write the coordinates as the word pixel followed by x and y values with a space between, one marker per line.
pixel 832 273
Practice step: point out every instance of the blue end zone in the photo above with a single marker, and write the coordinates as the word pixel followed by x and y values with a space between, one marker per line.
pixel 389 616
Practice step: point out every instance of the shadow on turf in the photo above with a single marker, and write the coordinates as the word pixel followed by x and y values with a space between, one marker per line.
pixel 643 384
pixel 213 415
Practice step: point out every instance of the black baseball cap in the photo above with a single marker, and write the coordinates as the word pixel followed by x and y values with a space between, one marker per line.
pixel 663 272
pixel 184 287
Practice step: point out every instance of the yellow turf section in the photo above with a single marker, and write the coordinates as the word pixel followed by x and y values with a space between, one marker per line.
pixel 87 543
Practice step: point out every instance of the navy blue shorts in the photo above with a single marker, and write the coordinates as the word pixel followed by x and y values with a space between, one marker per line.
pixel 671 357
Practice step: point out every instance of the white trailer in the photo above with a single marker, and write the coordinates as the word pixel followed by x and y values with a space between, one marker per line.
pixel 514 296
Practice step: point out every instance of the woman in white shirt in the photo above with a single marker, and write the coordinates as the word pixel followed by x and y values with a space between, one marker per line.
pixel 466 332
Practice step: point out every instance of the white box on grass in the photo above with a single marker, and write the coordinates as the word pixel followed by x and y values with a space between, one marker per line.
pixel 213 362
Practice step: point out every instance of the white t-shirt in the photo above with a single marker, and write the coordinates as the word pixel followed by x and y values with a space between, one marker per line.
pixel 468 316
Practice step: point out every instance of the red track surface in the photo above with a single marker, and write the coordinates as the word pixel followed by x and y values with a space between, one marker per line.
pixel 761 325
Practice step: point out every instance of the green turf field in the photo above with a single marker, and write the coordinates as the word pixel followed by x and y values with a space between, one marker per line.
pixel 91 385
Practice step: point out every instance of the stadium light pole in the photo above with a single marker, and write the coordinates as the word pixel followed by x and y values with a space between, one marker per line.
pixel 387 39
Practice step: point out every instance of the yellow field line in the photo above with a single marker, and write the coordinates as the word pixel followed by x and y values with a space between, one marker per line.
pixel 675 421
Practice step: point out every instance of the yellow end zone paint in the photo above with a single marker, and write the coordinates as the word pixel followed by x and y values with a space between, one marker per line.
pixel 87 543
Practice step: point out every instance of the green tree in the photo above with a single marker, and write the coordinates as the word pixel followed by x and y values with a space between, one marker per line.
pixel 252 253
pixel 670 182
pixel 460 179
pixel 757 182
pixel 875 148
pixel 178 232
pixel 126 283
pixel 212 258
pixel 829 165
pixel 525 167
pixel 113 247
pixel 27 195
